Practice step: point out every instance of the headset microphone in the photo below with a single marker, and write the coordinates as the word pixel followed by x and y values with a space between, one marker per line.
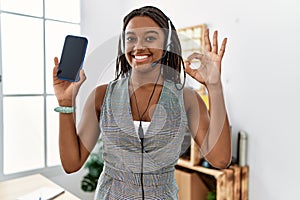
pixel 157 61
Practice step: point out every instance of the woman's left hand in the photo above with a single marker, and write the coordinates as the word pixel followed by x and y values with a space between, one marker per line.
pixel 209 71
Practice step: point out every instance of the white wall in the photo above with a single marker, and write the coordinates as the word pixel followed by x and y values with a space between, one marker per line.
pixel 260 70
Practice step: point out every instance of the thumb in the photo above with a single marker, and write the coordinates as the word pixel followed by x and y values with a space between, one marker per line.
pixel 56 61
pixel 82 77
pixel 189 70
pixel 187 66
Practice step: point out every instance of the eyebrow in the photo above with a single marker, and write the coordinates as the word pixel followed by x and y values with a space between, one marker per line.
pixel 147 32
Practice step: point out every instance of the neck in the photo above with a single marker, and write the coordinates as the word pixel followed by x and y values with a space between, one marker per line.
pixel 138 79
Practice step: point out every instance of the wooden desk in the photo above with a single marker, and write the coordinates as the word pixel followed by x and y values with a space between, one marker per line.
pixel 11 189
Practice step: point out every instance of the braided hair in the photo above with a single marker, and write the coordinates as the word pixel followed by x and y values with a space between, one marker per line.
pixel 173 59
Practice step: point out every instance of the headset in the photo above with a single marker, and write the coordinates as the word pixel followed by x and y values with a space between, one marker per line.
pixel 167 46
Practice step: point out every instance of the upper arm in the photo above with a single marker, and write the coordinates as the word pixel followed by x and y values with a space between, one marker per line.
pixel 88 127
pixel 197 114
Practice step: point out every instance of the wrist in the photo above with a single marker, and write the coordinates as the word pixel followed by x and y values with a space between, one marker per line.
pixel 215 87
pixel 65 103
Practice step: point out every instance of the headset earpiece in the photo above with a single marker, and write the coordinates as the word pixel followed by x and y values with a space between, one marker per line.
pixel 122 43
pixel 168 44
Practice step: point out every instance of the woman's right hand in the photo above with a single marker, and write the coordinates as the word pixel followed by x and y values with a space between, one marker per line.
pixel 66 91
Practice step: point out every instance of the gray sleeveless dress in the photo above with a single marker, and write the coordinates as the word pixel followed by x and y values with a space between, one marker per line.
pixel 123 159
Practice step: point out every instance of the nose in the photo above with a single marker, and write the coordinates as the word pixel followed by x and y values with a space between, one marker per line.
pixel 139 44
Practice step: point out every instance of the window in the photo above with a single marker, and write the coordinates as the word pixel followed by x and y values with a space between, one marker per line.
pixel 32 34
pixel 192 40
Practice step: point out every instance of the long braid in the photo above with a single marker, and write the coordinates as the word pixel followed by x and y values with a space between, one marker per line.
pixel 173 60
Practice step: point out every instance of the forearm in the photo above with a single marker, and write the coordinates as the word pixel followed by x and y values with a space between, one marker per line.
pixel 70 147
pixel 217 143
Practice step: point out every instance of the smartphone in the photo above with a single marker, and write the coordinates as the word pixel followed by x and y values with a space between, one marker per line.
pixel 72 58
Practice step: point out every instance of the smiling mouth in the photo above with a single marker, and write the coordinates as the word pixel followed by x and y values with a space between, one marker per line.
pixel 140 58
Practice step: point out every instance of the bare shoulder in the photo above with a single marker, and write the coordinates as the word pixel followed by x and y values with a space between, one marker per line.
pixel 100 92
pixel 189 97
pixel 190 94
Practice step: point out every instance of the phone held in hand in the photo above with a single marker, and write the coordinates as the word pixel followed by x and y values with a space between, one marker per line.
pixel 72 58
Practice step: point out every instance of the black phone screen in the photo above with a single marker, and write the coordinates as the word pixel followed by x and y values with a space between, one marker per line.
pixel 72 58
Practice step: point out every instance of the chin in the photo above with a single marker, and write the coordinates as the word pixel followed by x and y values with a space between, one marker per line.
pixel 142 67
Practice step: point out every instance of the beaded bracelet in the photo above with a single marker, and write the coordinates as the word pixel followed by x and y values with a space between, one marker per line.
pixel 63 109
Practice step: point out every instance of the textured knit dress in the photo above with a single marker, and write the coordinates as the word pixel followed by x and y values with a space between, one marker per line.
pixel 123 159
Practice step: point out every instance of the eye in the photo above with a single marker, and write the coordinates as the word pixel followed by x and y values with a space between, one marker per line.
pixel 131 39
pixel 150 38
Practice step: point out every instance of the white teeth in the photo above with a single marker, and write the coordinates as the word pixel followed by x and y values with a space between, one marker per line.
pixel 140 57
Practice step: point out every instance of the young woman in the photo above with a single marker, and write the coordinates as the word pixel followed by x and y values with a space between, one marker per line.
pixel 143 115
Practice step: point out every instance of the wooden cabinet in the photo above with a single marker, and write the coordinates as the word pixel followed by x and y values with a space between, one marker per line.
pixel 190 185
pixel 229 184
